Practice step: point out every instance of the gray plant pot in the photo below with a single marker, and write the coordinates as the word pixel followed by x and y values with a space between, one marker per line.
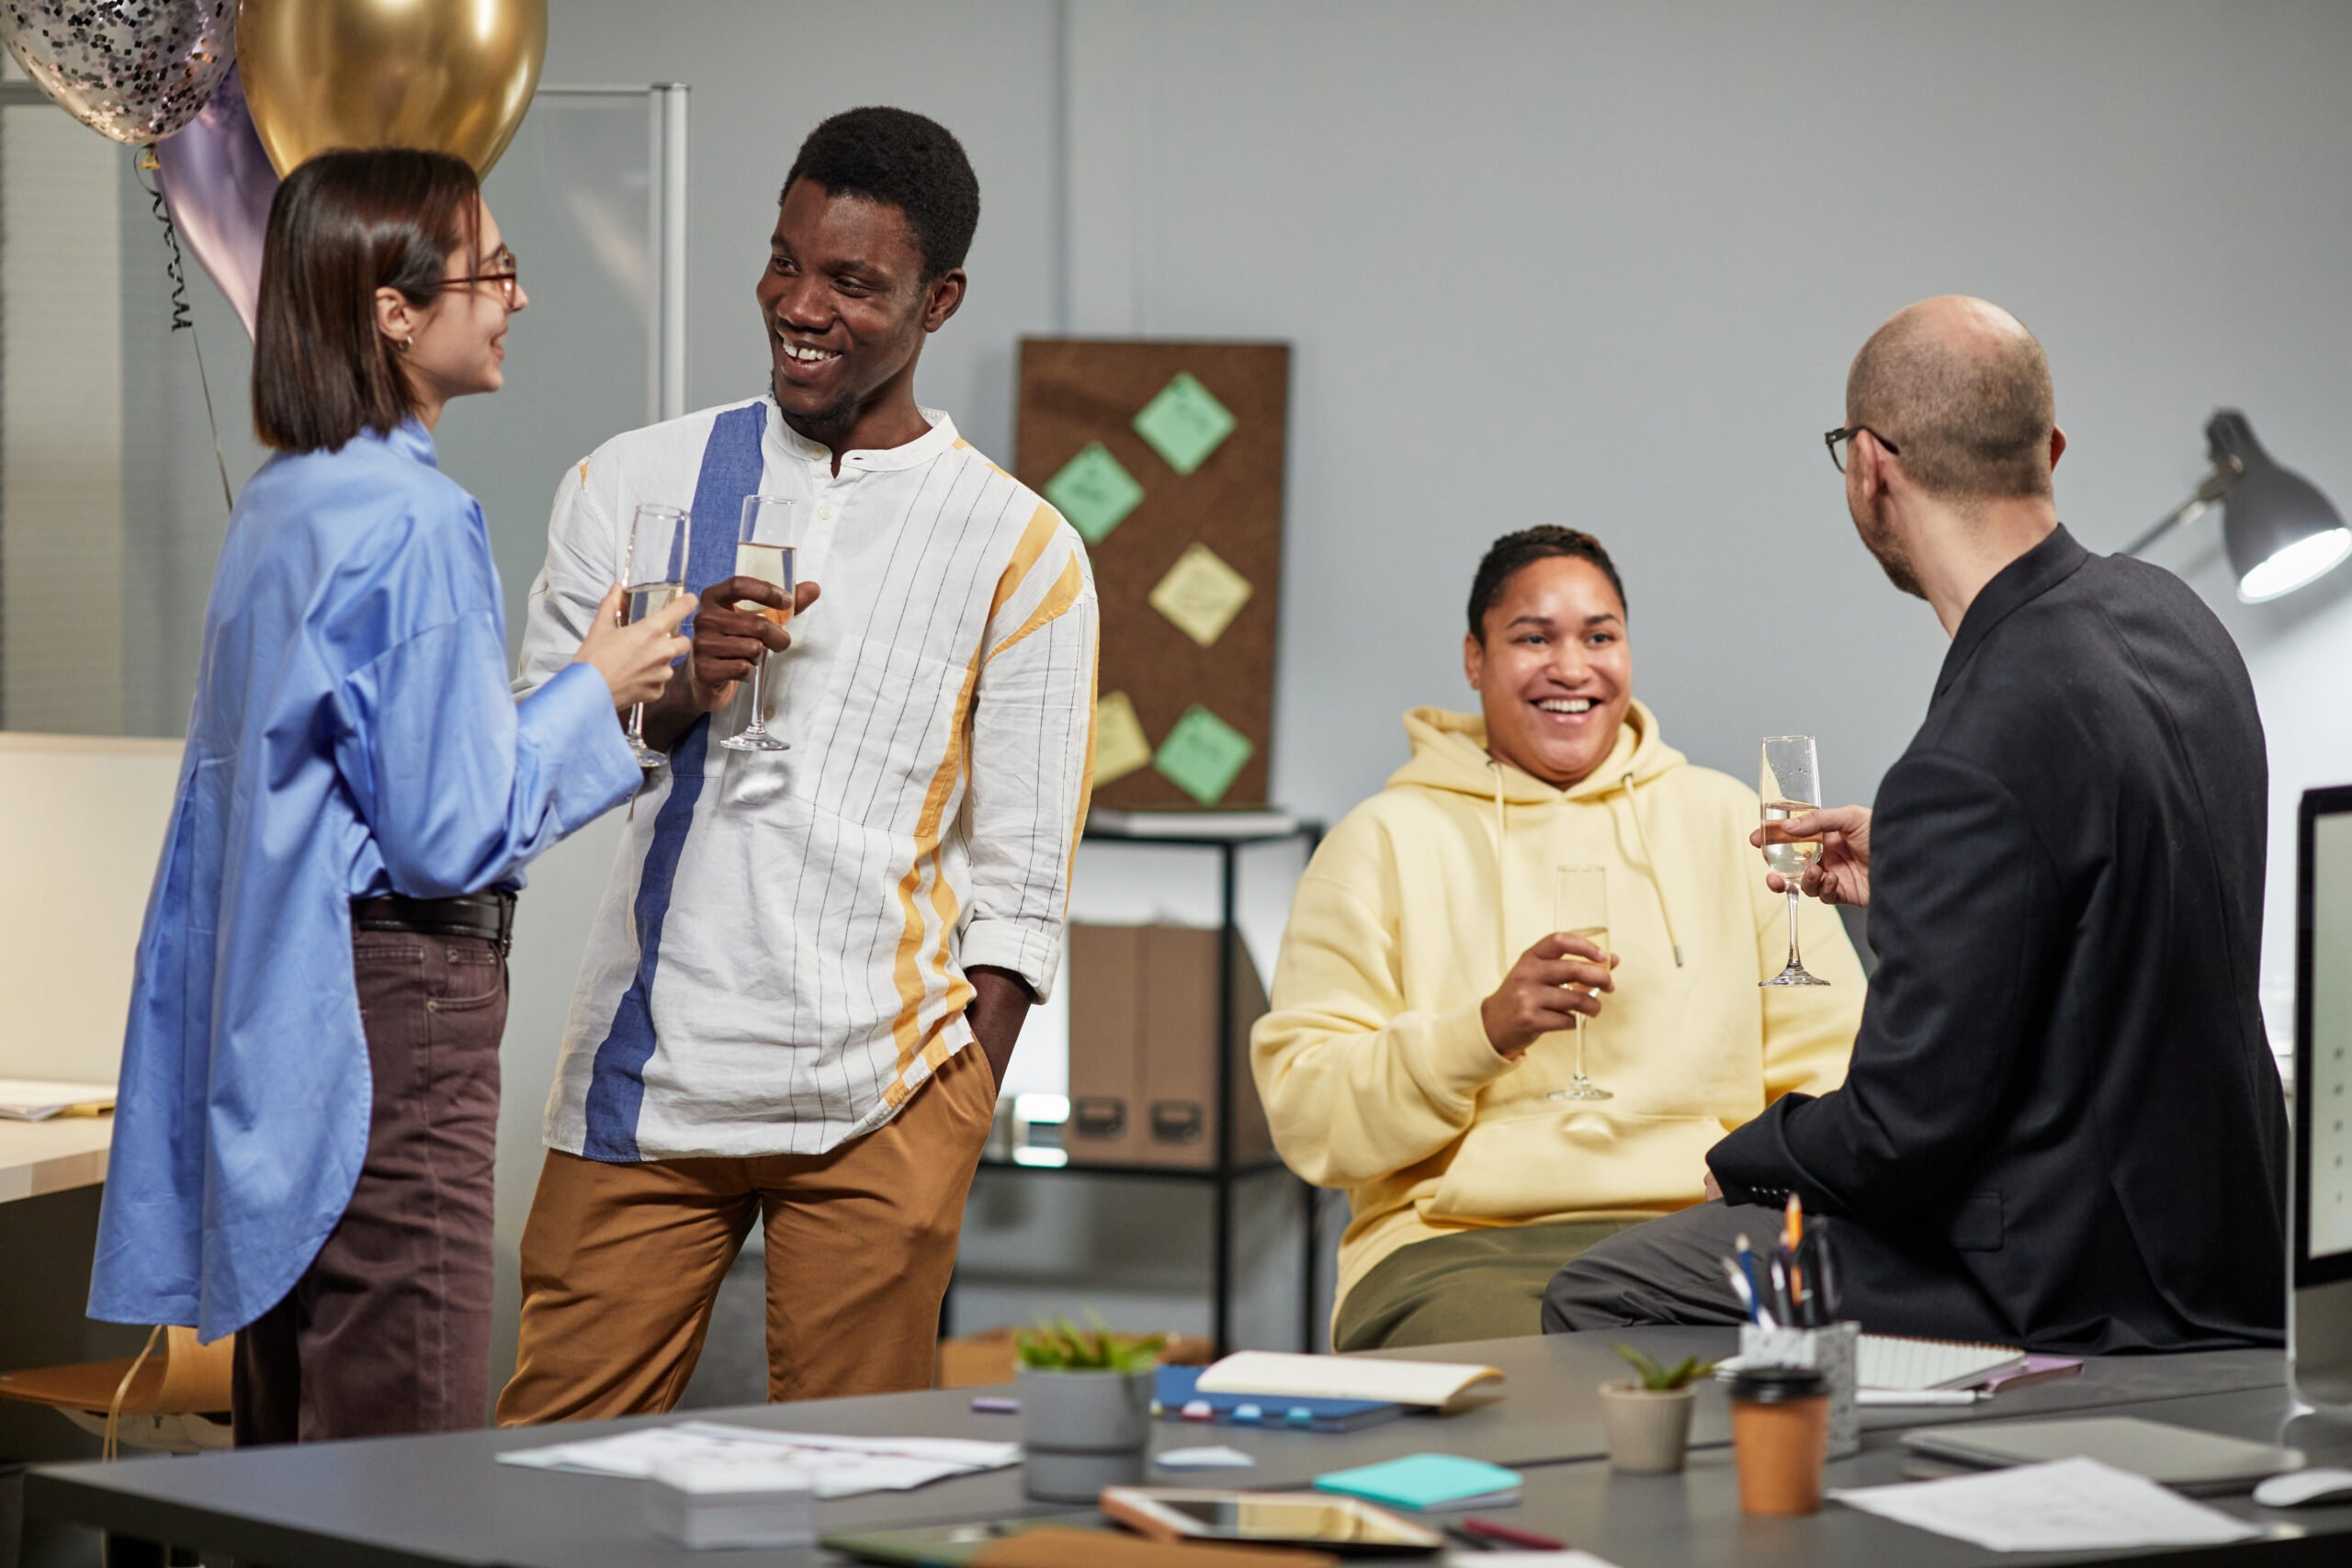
pixel 1648 1431
pixel 1085 1412
pixel 1083 1431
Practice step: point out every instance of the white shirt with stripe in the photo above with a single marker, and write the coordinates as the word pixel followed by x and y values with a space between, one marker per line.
pixel 826 901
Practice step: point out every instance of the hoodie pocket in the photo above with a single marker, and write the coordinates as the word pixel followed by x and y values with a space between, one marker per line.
pixel 1575 1159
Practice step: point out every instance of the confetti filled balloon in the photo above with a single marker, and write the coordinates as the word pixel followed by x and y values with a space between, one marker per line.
pixel 134 70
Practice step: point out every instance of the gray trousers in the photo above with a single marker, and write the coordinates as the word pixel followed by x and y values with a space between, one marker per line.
pixel 1670 1269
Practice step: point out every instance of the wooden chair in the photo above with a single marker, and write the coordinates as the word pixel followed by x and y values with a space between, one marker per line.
pixel 171 1401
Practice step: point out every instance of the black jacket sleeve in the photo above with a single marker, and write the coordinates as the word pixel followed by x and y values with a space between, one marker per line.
pixel 1965 912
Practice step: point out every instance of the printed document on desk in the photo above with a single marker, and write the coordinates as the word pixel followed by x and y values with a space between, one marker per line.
pixel 843 1467
pixel 2068 1505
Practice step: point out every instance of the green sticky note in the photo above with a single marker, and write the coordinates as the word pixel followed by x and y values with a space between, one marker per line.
pixel 1095 492
pixel 1185 423
pixel 1202 755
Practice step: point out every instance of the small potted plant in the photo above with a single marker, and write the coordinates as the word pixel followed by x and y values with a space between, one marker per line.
pixel 1648 1422
pixel 1085 1407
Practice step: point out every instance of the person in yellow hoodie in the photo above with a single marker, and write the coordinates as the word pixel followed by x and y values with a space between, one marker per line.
pixel 1423 1002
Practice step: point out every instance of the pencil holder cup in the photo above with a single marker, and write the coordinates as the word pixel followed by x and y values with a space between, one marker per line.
pixel 1834 1352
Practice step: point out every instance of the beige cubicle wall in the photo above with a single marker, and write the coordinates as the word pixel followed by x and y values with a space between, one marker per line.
pixel 82 820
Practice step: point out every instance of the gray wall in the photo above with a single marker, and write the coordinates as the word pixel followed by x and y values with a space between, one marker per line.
pixel 1602 265
pixel 1595 263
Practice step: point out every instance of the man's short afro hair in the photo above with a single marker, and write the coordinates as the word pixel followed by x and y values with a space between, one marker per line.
pixel 903 160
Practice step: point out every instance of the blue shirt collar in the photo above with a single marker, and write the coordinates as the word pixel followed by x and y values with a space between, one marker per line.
pixel 410 439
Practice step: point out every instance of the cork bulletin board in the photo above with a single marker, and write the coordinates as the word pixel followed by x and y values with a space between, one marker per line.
pixel 1168 458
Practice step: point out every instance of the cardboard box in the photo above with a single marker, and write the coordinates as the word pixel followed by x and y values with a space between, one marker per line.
pixel 1104 974
pixel 986 1358
pixel 1143 1046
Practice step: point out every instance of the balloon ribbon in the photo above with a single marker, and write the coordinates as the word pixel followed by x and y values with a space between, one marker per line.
pixel 183 319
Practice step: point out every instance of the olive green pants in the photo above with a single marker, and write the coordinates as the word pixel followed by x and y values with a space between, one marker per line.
pixel 1480 1284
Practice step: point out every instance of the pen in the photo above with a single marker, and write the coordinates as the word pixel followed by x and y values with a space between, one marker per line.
pixel 1490 1531
pixel 1755 1285
pixel 1782 1308
pixel 1740 1288
pixel 1882 1396
pixel 1825 1270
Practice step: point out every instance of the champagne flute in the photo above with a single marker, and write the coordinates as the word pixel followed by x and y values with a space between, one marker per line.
pixel 1582 909
pixel 658 538
pixel 761 552
pixel 1792 785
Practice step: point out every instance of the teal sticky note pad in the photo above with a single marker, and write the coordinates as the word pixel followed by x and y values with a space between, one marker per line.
pixel 1184 423
pixel 1095 492
pixel 1425 1481
pixel 1202 755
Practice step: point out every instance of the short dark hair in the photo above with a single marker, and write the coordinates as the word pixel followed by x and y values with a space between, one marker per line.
pixel 343 225
pixel 1508 555
pixel 1971 412
pixel 902 160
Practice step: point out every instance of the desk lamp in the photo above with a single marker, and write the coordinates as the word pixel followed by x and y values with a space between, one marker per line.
pixel 2280 532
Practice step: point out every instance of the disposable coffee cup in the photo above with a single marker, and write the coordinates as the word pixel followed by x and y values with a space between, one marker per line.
pixel 1780 1433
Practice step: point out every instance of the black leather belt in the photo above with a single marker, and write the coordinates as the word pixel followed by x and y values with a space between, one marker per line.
pixel 490 916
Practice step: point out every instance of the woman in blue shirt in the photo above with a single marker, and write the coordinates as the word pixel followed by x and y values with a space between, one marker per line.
pixel 307 1115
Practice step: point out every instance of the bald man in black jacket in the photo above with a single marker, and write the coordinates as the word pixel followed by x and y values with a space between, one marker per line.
pixel 2062 1127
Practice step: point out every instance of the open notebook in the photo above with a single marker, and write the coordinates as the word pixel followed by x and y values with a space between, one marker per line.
pixel 37 1099
pixel 1914 1365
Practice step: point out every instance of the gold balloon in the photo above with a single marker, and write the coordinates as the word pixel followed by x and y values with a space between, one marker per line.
pixel 451 75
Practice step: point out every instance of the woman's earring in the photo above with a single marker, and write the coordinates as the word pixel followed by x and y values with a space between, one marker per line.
pixel 408 342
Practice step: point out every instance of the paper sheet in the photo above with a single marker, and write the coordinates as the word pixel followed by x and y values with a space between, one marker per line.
pixel 37 1099
pixel 843 1467
pixel 1184 423
pixel 1202 756
pixel 1201 594
pixel 1569 1558
pixel 2069 1505
pixel 1120 745
pixel 1095 492
pixel 1215 1457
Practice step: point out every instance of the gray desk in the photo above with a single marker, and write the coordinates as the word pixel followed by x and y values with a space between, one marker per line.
pixel 444 1500
pixel 1694 1520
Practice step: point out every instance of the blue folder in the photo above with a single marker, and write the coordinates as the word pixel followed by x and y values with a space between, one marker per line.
pixel 1179 1400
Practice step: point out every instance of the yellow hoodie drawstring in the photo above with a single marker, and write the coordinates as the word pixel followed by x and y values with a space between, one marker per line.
pixel 1502 926
pixel 1658 878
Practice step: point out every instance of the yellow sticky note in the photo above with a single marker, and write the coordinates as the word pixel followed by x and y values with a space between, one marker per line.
pixel 1120 744
pixel 1201 594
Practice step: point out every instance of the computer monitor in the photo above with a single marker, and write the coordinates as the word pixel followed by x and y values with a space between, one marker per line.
pixel 2319 1320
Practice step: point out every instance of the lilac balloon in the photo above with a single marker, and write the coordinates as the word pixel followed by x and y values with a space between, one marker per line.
pixel 217 184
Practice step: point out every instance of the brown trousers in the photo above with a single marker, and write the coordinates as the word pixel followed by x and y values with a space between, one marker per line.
pixel 622 1262
pixel 388 1331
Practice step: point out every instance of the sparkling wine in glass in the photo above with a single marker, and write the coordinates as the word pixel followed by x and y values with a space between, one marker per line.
pixel 761 552
pixel 1791 786
pixel 658 540
pixel 1582 909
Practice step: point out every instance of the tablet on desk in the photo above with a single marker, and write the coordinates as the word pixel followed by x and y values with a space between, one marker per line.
pixel 2179 1457
pixel 1267 1519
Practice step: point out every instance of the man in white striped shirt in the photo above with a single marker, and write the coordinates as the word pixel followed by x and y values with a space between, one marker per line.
pixel 811 966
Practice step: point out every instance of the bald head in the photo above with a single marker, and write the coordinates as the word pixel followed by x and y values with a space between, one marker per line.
pixel 1962 390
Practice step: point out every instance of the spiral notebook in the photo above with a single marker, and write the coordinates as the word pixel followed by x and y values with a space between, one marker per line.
pixel 1914 1365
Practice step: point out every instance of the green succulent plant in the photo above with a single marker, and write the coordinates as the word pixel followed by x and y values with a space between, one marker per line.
pixel 1061 1345
pixel 1665 1380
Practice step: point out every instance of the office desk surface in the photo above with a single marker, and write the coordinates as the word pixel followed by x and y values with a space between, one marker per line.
pixel 440 1500
pixel 1694 1519
pixel 53 1155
